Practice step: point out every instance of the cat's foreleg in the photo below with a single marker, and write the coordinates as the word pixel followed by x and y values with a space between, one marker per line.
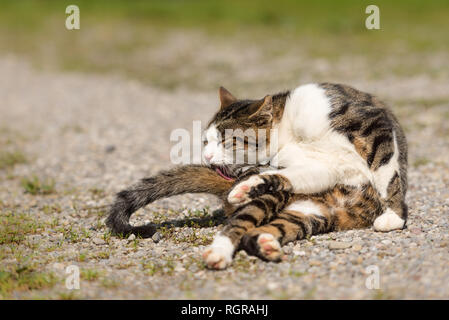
pixel 395 215
pixel 313 178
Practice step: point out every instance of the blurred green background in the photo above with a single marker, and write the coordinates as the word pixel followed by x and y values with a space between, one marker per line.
pixel 202 43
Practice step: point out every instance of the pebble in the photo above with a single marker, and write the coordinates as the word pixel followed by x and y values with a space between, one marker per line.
pixel 98 241
pixel 337 245
pixel 299 253
pixel 156 237
pixel 132 237
pixel 315 263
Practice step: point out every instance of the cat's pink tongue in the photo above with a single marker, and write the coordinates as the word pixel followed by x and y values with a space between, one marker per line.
pixel 223 175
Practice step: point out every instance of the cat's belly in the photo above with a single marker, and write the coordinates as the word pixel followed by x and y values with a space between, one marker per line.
pixel 334 154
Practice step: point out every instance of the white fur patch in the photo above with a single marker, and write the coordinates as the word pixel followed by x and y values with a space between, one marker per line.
pixel 314 156
pixel 213 151
pixel 383 175
pixel 306 207
pixel 308 108
pixel 388 221
pixel 219 254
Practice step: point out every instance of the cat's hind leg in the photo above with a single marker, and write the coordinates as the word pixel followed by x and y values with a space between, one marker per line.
pixel 247 217
pixel 299 220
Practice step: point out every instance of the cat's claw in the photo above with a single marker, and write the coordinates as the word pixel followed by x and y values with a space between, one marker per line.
pixel 269 247
pixel 215 259
pixel 240 194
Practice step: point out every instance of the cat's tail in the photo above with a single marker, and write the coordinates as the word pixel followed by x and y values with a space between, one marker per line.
pixel 179 180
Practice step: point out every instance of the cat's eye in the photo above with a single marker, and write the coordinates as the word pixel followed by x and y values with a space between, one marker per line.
pixel 205 142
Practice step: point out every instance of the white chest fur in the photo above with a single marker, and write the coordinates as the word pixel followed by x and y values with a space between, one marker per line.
pixel 307 143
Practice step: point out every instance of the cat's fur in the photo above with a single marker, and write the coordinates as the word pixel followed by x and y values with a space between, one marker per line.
pixel 342 164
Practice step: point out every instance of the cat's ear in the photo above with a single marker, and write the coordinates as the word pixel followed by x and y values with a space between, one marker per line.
pixel 262 108
pixel 226 98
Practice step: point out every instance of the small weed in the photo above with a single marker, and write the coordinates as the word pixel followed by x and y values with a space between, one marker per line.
pixel 82 257
pixel 11 158
pixel 71 295
pixel 296 274
pixel 48 209
pixel 14 227
pixel 420 162
pixel 109 283
pixel 35 186
pixel 24 279
pixel 101 255
pixel 90 274
pixel 97 192
pixel 158 268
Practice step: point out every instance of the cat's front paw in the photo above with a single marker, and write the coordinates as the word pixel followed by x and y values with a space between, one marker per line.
pixel 245 191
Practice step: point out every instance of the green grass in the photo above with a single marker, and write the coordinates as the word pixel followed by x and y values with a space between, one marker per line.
pixel 116 36
pixel 9 159
pixel 35 186
pixel 90 274
pixel 24 279
pixel 14 227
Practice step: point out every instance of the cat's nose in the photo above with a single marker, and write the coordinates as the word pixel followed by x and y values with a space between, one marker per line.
pixel 208 157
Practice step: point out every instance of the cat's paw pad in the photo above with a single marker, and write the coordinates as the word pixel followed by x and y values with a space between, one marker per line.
pixel 240 194
pixel 216 259
pixel 269 247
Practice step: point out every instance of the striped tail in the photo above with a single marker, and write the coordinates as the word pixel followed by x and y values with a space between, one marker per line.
pixel 179 180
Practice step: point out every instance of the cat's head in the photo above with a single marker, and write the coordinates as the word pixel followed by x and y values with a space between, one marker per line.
pixel 241 131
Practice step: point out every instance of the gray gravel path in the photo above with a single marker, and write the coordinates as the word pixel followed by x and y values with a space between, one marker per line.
pixel 93 135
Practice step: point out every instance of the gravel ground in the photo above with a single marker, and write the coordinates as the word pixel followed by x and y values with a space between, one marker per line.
pixel 93 135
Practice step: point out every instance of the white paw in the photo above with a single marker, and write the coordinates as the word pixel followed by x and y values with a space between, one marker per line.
pixel 388 221
pixel 239 195
pixel 269 246
pixel 219 254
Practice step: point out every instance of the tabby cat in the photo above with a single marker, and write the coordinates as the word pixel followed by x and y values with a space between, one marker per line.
pixel 341 163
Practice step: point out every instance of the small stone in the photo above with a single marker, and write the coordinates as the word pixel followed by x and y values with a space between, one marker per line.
pixel 132 237
pixel 180 269
pixel 98 241
pixel 357 247
pixel 58 266
pixel 156 237
pixel 110 148
pixel 315 263
pixel 386 242
pixel 337 245
pixel 272 286
pixel 299 253
pixel 287 250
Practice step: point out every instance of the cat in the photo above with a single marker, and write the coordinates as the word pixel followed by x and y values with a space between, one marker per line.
pixel 341 163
